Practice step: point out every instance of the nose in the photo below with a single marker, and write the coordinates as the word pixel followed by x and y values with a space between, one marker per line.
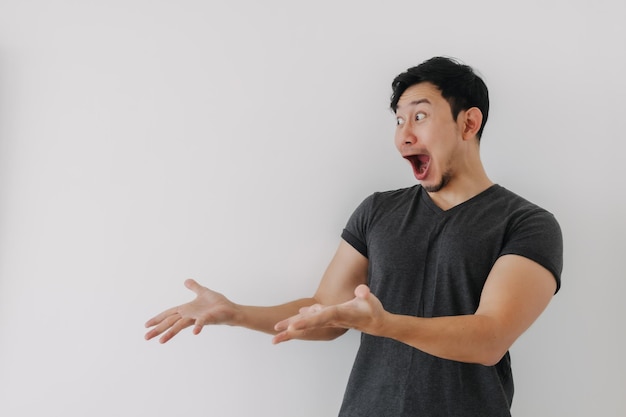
pixel 405 134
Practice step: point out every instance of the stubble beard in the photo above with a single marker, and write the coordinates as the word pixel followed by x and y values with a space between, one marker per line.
pixel 445 179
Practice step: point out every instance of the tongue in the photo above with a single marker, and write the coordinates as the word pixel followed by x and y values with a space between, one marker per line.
pixel 424 160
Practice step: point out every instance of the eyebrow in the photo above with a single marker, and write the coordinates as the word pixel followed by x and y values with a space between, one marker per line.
pixel 415 103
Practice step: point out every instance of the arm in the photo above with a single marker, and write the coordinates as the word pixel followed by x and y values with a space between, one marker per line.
pixel 515 294
pixel 347 270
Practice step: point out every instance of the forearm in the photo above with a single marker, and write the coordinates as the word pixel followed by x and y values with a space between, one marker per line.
pixel 467 338
pixel 264 319
pixel 515 293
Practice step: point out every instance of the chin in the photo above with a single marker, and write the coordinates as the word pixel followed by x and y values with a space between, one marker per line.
pixel 435 187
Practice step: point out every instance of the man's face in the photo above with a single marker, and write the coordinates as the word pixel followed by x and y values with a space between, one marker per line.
pixel 427 136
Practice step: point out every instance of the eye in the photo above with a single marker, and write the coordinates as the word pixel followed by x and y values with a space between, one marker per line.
pixel 420 116
pixel 399 121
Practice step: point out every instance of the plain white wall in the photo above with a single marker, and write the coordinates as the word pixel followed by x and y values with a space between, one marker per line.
pixel 145 142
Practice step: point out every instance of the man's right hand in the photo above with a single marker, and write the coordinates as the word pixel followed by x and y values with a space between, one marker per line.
pixel 209 307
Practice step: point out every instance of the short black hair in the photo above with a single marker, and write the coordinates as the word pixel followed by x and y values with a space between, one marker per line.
pixel 458 83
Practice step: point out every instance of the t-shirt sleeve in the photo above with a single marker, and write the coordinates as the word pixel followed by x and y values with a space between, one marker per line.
pixel 537 236
pixel 355 232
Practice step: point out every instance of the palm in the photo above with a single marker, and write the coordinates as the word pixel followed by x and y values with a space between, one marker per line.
pixel 364 313
pixel 209 307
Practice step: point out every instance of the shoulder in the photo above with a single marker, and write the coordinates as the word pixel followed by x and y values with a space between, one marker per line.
pixel 382 204
pixel 533 232
pixel 515 206
pixel 521 209
pixel 395 196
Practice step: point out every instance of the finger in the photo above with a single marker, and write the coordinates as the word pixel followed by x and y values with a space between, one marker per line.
pixel 321 318
pixel 281 337
pixel 316 315
pixel 282 325
pixel 162 326
pixel 310 309
pixel 199 324
pixel 288 322
pixel 286 336
pixel 175 329
pixel 291 334
pixel 160 317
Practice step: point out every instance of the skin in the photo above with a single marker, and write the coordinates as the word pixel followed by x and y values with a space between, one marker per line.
pixel 516 291
pixel 346 271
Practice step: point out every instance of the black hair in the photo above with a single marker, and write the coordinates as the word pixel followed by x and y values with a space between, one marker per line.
pixel 458 83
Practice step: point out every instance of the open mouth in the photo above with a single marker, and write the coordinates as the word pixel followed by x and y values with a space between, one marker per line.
pixel 420 164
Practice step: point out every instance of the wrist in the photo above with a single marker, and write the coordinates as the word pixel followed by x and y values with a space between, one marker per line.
pixel 238 316
pixel 381 324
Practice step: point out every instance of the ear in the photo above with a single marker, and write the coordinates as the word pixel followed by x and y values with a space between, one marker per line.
pixel 472 120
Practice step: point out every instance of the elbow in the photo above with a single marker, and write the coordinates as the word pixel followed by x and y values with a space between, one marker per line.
pixel 491 359
pixel 494 344
pixel 492 354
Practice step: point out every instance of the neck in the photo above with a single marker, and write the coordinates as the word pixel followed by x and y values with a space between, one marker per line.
pixel 461 188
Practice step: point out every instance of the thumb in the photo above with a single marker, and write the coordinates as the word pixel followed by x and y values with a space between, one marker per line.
pixel 362 291
pixel 193 285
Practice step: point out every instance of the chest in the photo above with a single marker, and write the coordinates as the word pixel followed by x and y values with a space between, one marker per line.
pixel 429 264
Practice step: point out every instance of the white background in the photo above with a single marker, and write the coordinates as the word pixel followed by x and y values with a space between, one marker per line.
pixel 145 142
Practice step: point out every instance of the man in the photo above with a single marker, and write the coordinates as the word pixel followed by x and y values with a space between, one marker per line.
pixel 441 278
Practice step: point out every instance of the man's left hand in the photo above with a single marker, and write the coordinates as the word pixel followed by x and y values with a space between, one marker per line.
pixel 364 313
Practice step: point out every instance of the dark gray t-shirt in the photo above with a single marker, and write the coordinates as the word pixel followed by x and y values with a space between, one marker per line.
pixel 427 262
